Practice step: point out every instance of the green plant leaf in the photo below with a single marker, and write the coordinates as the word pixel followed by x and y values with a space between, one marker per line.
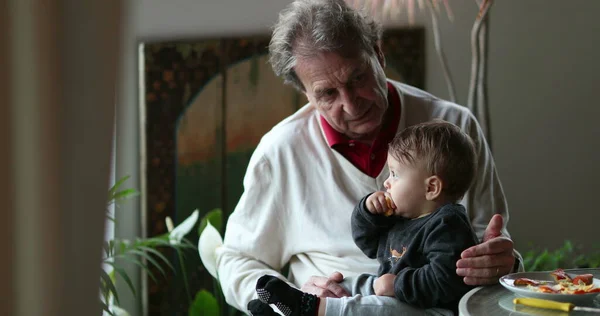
pixel 117 247
pixel 106 248
pixel 158 254
pixel 112 276
pixel 568 246
pixel 124 276
pixel 186 244
pixel 122 246
pixel 184 274
pixel 127 193
pixel 115 187
pixel 106 308
pixel 149 258
pixel 568 255
pixel 233 311
pixel 204 304
pixel 162 240
pixel 140 264
pixel 108 283
pixel 540 261
pixel 216 219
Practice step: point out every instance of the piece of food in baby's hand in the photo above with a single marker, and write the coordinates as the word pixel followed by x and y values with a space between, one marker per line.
pixel 390 209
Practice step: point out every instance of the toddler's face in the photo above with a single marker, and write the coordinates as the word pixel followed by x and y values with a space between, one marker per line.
pixel 407 187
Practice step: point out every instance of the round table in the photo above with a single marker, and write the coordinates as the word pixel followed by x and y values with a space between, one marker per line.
pixel 496 300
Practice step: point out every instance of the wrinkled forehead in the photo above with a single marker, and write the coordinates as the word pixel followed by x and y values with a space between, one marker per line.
pixel 327 70
pixel 304 46
pixel 330 60
pixel 326 64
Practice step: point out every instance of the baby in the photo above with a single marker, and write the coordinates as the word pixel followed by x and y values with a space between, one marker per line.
pixel 415 229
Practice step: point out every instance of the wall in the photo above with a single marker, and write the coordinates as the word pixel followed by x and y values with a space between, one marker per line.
pixel 541 64
pixel 544 80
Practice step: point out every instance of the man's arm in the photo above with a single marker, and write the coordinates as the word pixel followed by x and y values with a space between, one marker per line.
pixel 367 228
pixel 486 203
pixel 436 284
pixel 485 196
pixel 254 243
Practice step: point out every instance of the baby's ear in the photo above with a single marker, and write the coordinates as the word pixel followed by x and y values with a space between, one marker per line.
pixel 433 188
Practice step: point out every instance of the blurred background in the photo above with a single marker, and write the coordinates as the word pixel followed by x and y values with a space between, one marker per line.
pixel 72 82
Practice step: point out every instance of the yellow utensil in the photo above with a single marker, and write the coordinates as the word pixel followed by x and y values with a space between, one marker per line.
pixel 567 307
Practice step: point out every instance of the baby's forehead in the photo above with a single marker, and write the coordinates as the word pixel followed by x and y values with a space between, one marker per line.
pixel 402 161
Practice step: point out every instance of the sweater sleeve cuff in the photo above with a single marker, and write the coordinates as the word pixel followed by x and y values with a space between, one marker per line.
pixel 518 266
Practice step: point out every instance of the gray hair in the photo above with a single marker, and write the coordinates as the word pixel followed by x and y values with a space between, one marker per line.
pixel 308 27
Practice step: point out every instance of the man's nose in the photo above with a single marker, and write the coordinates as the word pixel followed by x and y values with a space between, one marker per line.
pixel 386 184
pixel 349 103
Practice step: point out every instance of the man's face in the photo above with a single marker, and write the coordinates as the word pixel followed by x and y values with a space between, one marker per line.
pixel 350 93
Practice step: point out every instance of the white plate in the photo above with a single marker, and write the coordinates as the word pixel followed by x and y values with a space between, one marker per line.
pixel 578 299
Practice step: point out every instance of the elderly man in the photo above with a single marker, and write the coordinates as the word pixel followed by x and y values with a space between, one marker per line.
pixel 310 170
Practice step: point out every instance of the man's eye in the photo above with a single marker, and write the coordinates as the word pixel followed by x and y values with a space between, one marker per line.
pixel 359 78
pixel 327 95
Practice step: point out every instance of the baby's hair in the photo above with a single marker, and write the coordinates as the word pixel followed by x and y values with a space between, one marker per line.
pixel 443 149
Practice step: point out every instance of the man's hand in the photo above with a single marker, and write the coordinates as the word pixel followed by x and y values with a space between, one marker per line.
pixel 325 287
pixel 485 263
pixel 384 285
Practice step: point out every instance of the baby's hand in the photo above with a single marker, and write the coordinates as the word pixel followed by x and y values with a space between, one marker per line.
pixel 380 203
pixel 384 285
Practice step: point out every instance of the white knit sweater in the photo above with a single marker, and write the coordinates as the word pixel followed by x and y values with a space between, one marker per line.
pixel 299 195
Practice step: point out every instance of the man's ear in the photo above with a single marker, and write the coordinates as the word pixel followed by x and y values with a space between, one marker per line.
pixel 380 56
pixel 433 187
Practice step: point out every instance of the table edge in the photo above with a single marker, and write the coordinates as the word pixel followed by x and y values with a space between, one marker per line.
pixel 462 304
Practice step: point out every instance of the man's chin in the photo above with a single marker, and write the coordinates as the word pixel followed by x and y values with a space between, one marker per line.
pixel 365 134
pixel 368 128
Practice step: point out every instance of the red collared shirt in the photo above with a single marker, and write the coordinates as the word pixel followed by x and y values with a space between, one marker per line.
pixel 368 159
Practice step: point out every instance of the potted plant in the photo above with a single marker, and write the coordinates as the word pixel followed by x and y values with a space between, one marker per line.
pixel 567 256
pixel 143 252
